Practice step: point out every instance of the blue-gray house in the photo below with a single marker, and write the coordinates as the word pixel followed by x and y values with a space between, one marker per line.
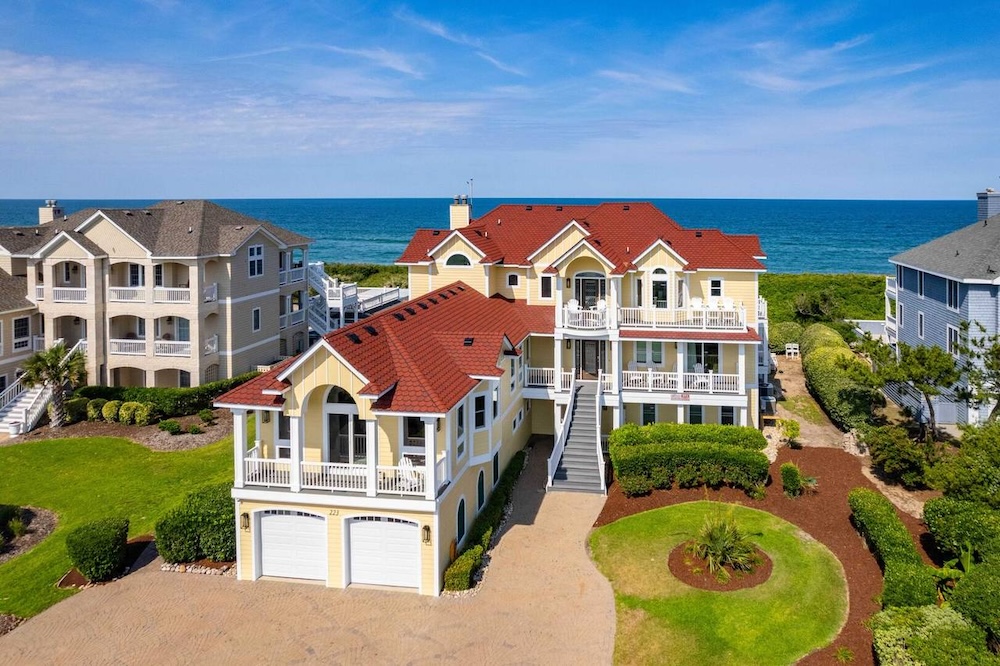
pixel 938 285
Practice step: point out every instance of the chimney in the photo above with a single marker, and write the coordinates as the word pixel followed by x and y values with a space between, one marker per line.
pixel 50 211
pixel 461 211
pixel 989 204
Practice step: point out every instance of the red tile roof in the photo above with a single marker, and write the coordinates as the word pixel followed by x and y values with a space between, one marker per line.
pixel 509 234
pixel 251 393
pixel 748 335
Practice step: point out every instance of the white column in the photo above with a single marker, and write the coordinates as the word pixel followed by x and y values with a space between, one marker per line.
pixel 741 368
pixel 681 367
pixel 557 280
pixel 239 444
pixel 430 459
pixel 371 456
pixel 557 362
pixel 295 435
pixel 616 414
pixel 614 302
pixel 616 365
pixel 259 427
pixel 743 416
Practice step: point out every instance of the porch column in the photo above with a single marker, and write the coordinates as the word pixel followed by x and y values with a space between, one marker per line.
pixel 557 363
pixel 430 459
pixel 741 369
pixel 614 302
pixel 559 300
pixel 259 427
pixel 681 367
pixel 371 456
pixel 616 415
pixel 616 366
pixel 239 444
pixel 295 435
pixel 743 416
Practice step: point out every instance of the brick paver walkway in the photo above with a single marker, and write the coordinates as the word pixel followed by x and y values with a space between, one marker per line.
pixel 543 602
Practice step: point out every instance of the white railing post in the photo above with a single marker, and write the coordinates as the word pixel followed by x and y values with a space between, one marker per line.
pixel 240 445
pixel 371 455
pixel 430 458
pixel 295 435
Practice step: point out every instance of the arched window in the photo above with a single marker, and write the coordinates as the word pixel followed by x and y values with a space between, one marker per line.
pixel 458 260
pixel 461 521
pixel 338 395
pixel 481 490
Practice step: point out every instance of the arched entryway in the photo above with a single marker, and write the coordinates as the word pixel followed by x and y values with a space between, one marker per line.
pixel 343 431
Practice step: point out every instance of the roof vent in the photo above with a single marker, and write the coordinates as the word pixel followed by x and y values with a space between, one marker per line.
pixel 129 213
pixel 422 305
pixel 498 221
pixel 436 232
pixel 190 230
pixel 625 207
pixel 180 203
pixel 146 212
pixel 20 233
pixel 353 337
pixel 239 228
pixel 460 288
pixel 370 330
pixel 452 292
pixel 410 311
pixel 37 232
pixel 697 234
pixel 558 207
pixel 443 296
pixel 529 208
pixel 398 316
pixel 432 301
pixel 468 342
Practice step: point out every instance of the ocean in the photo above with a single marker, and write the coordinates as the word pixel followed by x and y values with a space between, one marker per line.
pixel 798 236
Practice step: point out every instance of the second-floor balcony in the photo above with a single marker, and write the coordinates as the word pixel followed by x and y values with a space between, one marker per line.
pixel 721 317
pixel 291 319
pixel 169 295
pixel 890 287
pixel 295 274
pixel 646 380
pixel 136 347
pixel 69 294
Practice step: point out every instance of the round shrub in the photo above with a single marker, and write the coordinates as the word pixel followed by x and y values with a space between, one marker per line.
pixel 791 479
pixel 781 334
pixel 177 537
pixel 976 597
pixel 908 585
pixel 76 409
pixel 213 513
pixel 195 429
pixel 110 410
pixel 97 549
pixel 895 456
pixel 207 416
pixel 94 408
pixel 818 336
pixel 170 426
pixel 957 524
pixel 126 413
pixel 144 414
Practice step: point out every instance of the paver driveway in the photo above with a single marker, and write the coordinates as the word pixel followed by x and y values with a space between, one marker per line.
pixel 542 602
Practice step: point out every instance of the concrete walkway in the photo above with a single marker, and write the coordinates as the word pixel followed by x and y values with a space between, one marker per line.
pixel 542 601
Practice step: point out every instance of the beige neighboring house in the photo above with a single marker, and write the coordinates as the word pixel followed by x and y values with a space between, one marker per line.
pixel 176 294
pixel 375 450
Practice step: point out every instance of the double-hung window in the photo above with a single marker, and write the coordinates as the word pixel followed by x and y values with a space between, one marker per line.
pixel 920 325
pixel 727 416
pixel 920 284
pixel 479 411
pixel 496 401
pixel 546 286
pixel 648 413
pixel 953 294
pixel 640 351
pixel 715 288
pixel 953 341
pixel 255 257
pixel 513 376
pixel 696 414
pixel 22 333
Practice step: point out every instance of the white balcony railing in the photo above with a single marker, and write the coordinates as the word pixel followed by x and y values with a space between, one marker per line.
pixel 761 309
pixel 210 293
pixel 212 345
pixel 171 295
pixel 890 286
pixel 725 319
pixel 648 380
pixel 292 275
pixel 334 476
pixel 589 319
pixel 710 382
pixel 69 294
pixel 267 472
pixel 402 479
pixel 121 347
pixel 38 343
pixel 291 319
pixel 541 377
pixel 127 294
pixel 39 292
pixel 172 348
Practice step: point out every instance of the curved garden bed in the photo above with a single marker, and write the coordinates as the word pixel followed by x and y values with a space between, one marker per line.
pixel 800 608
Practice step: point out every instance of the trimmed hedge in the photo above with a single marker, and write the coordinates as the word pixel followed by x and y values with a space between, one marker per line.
pixel 976 597
pixel 818 336
pixel 638 468
pixel 110 410
pixel 97 549
pixel 145 414
pixel 126 413
pixel 94 408
pixel 957 523
pixel 204 526
pixel 168 401
pixel 779 335
pixel 930 636
pixel 876 519
pixel 791 479
pixel 830 373
pixel 632 434
pixel 458 575
pixel 908 585
pixel 76 409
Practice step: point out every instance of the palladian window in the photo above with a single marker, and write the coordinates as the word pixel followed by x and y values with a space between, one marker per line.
pixel 458 260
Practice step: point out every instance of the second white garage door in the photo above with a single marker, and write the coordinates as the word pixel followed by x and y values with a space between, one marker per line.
pixel 385 551
pixel 293 545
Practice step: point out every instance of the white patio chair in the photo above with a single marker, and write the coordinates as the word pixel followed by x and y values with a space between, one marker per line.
pixel 409 479
pixel 728 303
pixel 573 305
pixel 696 303
pixel 602 306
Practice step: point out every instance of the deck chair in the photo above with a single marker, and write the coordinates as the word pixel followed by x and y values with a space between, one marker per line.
pixel 408 477
pixel 696 303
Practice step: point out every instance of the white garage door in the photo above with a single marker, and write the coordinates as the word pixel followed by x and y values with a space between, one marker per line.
pixel 293 545
pixel 385 551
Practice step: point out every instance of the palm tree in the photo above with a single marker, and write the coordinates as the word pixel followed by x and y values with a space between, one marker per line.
pixel 56 368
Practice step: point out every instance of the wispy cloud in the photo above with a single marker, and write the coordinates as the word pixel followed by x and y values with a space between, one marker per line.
pixel 499 65
pixel 648 80
pixel 381 57
pixel 435 28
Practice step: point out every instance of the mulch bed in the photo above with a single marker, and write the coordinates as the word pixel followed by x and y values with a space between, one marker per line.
pixel 693 571
pixel 823 515
pixel 133 551
pixel 40 523
pixel 149 436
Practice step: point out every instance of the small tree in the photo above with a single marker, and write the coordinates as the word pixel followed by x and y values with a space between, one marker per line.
pixel 56 368
pixel 981 365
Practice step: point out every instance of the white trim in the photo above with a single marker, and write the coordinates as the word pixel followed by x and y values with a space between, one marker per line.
pixel 552 286
pixel 234 352
pixel 517 280
pixel 486 412
pixel 416 415
pixel 458 254
pixel 255 320
pixel 465 519
pixel 948 328
pixel 555 236
pixel 453 233
pixel 942 275
pixel 229 405
pixel 920 324
pixel 38 254
pixel 80 227
pixel 261 229
pixel 241 299
pixel 583 243
pixel 669 248
pixel 722 287
pixel 239 544
pixel 321 498
pixel 947 294
pixel 252 260
pixel 322 344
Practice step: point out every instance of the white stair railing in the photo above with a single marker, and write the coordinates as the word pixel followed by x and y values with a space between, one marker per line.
pixel 32 413
pixel 560 444
pixel 597 431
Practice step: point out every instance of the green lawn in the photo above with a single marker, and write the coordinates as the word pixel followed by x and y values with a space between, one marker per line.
pixel 806 408
pixel 86 479
pixel 663 621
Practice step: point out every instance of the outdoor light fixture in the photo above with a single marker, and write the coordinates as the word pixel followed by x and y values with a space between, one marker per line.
pixel 427 533
pixel 569 343
pixel 76 321
pixel 568 283
pixel 266 417
pixel 244 521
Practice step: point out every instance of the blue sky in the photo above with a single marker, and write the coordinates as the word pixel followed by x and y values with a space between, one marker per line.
pixel 168 98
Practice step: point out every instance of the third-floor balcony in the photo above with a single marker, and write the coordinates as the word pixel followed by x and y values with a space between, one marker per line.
pixel 723 317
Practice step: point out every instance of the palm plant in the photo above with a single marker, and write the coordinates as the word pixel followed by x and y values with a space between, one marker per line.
pixel 56 369
pixel 721 543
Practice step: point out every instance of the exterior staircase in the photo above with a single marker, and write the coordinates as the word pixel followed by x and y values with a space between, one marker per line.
pixel 580 466
pixel 25 410
pixel 339 303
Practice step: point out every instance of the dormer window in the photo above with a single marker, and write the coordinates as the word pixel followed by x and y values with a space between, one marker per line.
pixel 458 260
pixel 513 280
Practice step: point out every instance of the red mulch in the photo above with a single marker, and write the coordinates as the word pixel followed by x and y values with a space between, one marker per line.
pixel 824 515
pixel 693 571
pixel 133 551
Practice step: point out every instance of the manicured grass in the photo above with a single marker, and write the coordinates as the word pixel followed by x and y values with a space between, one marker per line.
pixel 805 407
pixel 663 621
pixel 85 479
